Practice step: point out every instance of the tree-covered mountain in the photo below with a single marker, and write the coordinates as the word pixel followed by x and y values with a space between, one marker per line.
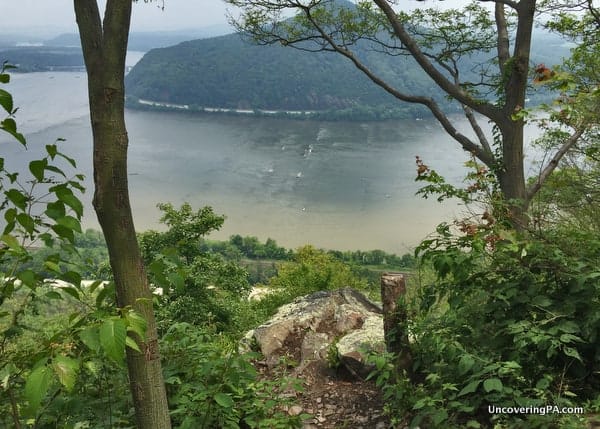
pixel 63 52
pixel 231 72
pixel 43 58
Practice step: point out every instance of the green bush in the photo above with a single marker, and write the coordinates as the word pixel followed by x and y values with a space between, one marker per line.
pixel 210 385
pixel 510 322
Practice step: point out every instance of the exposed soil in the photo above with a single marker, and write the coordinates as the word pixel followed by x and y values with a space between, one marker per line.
pixel 334 397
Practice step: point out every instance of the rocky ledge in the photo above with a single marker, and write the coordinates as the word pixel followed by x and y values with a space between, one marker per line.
pixel 324 338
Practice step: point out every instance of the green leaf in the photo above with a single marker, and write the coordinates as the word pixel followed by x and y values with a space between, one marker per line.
pixel 177 281
pixel 112 338
pixel 26 222
pixel 90 337
pixel 37 168
pixel 56 170
pixel 52 266
pixel 92 287
pixel 64 232
pixel 11 242
pixel 541 301
pixel 10 215
pixel 465 364
pixel 53 295
pixel 570 338
pixel 4 78
pixel 37 385
pixel 469 388
pixel 572 352
pixel 6 100
pixel 17 197
pixel 568 326
pixel 542 383
pixel 55 210
pixel 130 342
pixel 69 222
pixel 66 370
pixel 68 159
pixel 73 202
pixel 106 291
pixel 28 278
pixel 492 384
pixel 439 416
pixel 70 290
pixel 51 149
pixel 9 125
pixel 137 324
pixel 223 400
pixel 72 277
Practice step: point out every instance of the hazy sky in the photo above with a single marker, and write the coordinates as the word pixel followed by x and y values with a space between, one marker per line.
pixel 57 15
pixel 50 17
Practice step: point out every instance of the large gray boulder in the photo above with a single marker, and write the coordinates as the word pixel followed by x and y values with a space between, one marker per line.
pixel 328 326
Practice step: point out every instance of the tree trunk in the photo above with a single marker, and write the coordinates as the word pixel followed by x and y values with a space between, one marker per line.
pixel 104 47
pixel 395 321
pixel 511 175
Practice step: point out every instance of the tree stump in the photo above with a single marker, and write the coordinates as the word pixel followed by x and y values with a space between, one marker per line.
pixel 395 323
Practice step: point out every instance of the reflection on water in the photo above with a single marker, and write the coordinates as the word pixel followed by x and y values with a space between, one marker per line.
pixel 334 184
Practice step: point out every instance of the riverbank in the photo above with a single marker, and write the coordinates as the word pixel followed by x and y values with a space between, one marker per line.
pixel 362 113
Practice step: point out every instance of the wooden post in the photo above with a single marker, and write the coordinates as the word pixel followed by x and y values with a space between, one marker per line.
pixel 395 323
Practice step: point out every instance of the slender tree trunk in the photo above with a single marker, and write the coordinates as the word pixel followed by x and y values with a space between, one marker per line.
pixel 511 175
pixel 104 46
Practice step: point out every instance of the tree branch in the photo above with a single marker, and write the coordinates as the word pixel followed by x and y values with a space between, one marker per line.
pixel 503 40
pixel 547 171
pixel 87 16
pixel 478 131
pixel 468 145
pixel 117 18
pixel 450 88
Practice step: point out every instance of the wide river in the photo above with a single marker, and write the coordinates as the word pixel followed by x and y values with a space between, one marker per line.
pixel 337 185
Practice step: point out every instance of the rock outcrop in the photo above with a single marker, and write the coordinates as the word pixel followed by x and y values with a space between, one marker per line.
pixel 327 328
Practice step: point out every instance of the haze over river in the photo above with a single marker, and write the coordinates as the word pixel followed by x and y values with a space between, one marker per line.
pixel 337 185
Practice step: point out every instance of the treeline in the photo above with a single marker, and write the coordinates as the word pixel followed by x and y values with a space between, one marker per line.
pixel 258 258
pixel 249 247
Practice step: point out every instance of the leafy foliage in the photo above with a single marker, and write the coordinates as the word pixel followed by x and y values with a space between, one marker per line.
pixel 51 330
pixel 511 319
pixel 196 285
pixel 210 385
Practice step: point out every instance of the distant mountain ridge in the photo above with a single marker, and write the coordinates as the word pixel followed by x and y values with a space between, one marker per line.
pixel 63 52
pixel 146 40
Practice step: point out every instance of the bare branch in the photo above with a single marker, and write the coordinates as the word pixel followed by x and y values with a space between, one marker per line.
pixel 449 87
pixel 553 163
pixel 467 144
pixel 478 131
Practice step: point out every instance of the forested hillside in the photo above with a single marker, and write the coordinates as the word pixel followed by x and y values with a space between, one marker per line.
pixel 231 72
pixel 234 73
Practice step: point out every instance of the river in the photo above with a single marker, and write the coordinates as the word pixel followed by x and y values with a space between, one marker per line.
pixel 337 185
